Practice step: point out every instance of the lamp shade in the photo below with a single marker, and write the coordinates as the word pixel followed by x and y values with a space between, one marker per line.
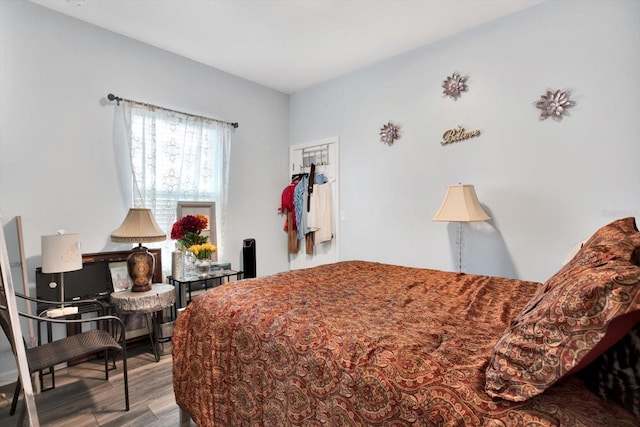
pixel 61 253
pixel 461 204
pixel 139 226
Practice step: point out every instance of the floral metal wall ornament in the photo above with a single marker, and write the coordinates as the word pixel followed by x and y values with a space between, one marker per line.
pixel 554 104
pixel 389 133
pixel 454 86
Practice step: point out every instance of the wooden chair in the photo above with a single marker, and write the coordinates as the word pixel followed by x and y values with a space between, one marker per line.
pixel 108 337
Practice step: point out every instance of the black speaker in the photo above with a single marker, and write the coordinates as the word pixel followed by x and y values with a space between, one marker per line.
pixel 249 258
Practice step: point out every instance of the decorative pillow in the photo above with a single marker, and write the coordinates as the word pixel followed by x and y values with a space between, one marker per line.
pixel 592 299
pixel 615 375
pixel 573 252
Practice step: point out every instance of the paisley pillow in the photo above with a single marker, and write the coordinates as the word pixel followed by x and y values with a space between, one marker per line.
pixel 586 307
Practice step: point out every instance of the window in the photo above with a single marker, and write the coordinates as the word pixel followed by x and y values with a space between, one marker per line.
pixel 176 156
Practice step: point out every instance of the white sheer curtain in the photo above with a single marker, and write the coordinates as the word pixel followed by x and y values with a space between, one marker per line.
pixel 177 157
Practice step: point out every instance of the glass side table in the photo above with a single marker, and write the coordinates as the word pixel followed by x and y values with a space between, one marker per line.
pixel 190 287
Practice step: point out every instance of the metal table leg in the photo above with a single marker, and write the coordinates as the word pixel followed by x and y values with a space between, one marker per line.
pixel 151 329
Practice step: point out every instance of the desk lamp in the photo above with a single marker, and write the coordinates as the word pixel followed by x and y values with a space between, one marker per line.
pixel 61 253
pixel 139 226
pixel 460 205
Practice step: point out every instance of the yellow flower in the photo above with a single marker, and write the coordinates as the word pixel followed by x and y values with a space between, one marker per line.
pixel 204 250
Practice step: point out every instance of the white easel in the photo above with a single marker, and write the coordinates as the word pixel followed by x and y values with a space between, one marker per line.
pixel 25 281
pixel 21 355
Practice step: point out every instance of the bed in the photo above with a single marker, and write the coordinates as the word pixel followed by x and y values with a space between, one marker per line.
pixel 359 343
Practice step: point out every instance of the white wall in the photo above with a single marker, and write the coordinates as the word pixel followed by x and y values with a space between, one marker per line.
pixel 57 156
pixel 546 184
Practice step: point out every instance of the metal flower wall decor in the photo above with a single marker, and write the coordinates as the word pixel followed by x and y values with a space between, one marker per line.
pixel 389 133
pixel 454 86
pixel 554 104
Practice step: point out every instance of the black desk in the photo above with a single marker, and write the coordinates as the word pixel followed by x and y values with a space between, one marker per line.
pixel 188 288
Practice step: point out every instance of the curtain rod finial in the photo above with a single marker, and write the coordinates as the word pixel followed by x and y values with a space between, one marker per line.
pixel 112 97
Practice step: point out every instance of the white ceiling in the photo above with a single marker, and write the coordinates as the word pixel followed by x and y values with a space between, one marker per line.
pixel 287 45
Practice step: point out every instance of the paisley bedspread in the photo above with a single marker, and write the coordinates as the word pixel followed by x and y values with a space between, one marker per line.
pixel 361 344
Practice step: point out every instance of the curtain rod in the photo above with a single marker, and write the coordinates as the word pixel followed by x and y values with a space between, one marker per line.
pixel 112 97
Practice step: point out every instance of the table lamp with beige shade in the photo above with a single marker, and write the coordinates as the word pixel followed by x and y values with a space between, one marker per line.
pixel 460 204
pixel 139 226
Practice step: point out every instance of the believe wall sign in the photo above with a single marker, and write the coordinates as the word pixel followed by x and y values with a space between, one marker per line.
pixel 458 134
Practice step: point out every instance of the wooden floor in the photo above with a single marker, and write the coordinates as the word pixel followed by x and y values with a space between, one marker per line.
pixel 83 398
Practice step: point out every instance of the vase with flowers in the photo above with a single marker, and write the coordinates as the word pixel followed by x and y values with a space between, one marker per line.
pixel 203 253
pixel 187 231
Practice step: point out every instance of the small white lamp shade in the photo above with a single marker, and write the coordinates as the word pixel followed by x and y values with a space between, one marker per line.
pixel 461 204
pixel 61 253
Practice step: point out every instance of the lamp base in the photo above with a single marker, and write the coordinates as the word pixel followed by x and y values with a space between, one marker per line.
pixel 141 264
